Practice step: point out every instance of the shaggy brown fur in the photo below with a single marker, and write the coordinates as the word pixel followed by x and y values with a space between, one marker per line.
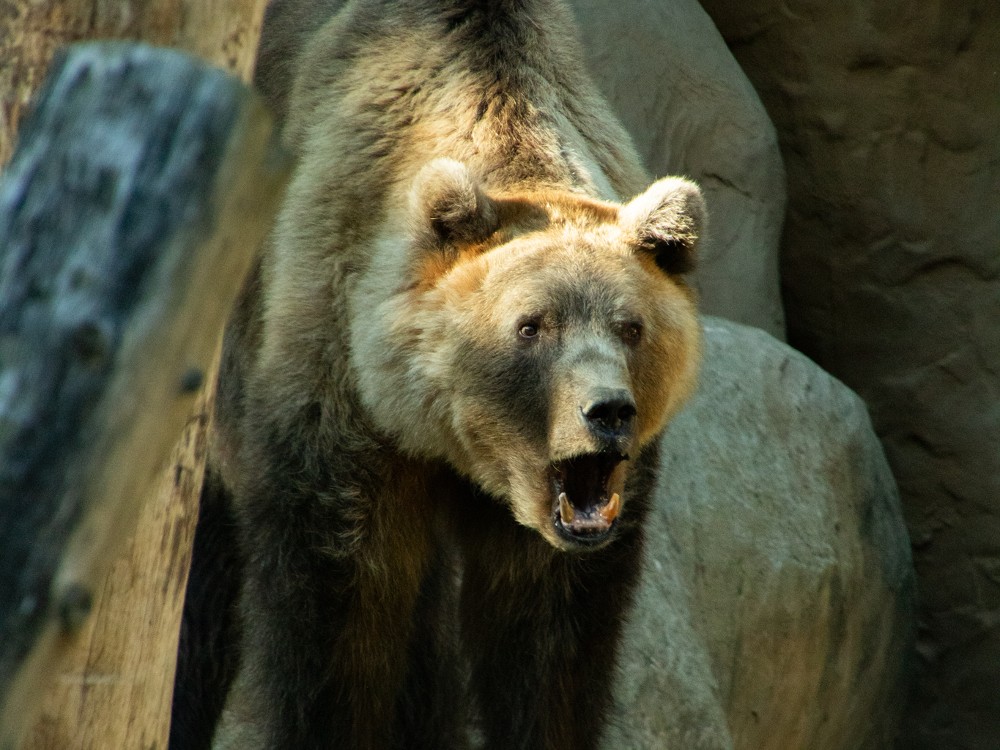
pixel 454 360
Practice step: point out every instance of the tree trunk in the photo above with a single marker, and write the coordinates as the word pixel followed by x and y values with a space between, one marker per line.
pixel 142 186
pixel 113 689
pixel 222 32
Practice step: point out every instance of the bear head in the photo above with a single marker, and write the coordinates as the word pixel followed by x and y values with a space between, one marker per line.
pixel 535 341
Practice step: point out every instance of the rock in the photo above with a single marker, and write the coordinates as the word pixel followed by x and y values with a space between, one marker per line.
pixel 775 611
pixel 690 109
pixel 887 115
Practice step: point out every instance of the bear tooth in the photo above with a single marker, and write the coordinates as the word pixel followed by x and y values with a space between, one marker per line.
pixel 565 509
pixel 610 511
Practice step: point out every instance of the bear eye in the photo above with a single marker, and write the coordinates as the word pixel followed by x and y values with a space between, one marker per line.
pixel 528 329
pixel 630 332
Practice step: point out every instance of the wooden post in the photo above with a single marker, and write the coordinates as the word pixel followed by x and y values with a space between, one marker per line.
pixel 113 687
pixel 141 188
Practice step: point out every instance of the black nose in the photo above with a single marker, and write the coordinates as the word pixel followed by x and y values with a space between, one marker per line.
pixel 610 413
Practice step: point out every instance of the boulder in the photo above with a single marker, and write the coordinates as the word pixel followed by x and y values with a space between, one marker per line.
pixel 775 609
pixel 690 110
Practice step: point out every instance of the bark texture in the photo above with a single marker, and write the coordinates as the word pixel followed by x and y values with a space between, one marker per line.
pixel 222 32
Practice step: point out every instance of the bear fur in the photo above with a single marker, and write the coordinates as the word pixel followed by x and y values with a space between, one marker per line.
pixel 440 391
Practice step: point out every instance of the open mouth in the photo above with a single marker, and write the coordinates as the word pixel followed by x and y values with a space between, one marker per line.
pixel 586 496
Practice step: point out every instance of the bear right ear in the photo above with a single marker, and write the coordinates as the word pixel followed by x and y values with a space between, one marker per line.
pixel 448 203
pixel 667 221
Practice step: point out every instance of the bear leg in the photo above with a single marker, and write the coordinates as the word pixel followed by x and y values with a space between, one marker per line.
pixel 432 711
pixel 333 570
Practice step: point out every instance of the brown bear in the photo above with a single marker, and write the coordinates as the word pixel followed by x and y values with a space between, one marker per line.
pixel 440 390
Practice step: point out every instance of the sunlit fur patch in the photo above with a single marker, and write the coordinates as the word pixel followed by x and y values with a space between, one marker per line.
pixel 519 215
pixel 561 207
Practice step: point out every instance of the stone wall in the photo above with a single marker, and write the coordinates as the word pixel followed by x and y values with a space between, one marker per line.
pixel 888 117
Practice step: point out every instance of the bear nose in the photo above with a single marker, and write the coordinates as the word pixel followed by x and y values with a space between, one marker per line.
pixel 610 413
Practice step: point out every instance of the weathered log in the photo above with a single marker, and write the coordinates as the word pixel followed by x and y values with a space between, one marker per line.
pixel 142 185
pixel 113 688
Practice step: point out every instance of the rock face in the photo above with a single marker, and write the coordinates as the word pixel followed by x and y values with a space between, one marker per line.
pixel 775 611
pixel 887 116
pixel 690 109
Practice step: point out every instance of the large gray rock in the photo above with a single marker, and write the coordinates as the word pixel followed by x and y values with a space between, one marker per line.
pixel 775 611
pixel 690 110
pixel 888 118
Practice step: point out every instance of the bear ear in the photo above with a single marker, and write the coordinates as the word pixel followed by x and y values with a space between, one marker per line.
pixel 667 221
pixel 449 204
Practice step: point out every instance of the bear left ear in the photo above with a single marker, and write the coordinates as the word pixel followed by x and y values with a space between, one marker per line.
pixel 667 221
pixel 449 203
